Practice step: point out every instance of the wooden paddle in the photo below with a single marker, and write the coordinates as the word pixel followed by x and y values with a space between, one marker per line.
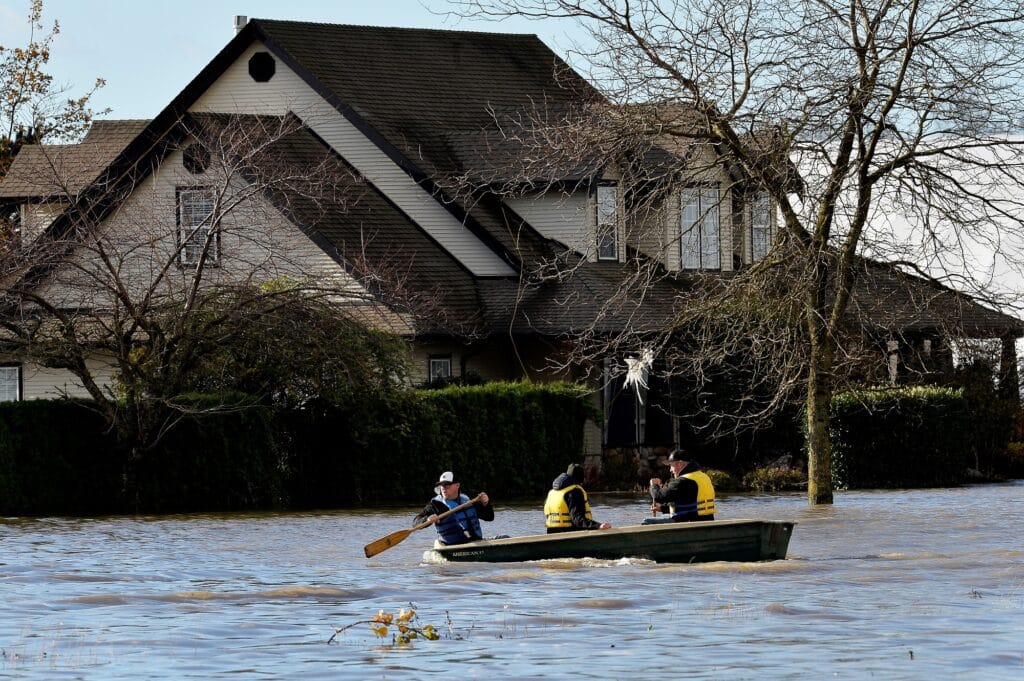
pixel 385 543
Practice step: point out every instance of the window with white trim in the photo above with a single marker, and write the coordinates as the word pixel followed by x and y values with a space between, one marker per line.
pixel 700 240
pixel 195 220
pixel 439 369
pixel 760 226
pixel 10 383
pixel 608 222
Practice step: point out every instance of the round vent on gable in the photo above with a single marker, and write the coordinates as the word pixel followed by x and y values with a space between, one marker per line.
pixel 262 67
pixel 196 158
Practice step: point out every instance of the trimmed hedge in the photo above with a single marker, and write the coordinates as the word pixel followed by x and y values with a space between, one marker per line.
pixel 56 458
pixel 216 461
pixel 900 437
pixel 510 439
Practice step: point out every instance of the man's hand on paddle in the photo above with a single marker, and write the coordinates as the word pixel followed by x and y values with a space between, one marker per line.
pixel 484 500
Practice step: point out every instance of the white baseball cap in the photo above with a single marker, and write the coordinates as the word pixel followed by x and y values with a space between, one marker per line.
pixel 446 478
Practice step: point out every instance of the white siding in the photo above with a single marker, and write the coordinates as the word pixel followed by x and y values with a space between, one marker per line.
pixel 236 92
pixel 36 217
pixel 257 244
pixel 647 231
pixel 40 383
pixel 559 216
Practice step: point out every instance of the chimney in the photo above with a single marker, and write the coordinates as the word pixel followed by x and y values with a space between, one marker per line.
pixel 240 21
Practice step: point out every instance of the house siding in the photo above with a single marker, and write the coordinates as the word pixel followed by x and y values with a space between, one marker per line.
pixel 36 217
pixel 561 216
pixel 257 244
pixel 236 92
pixel 42 383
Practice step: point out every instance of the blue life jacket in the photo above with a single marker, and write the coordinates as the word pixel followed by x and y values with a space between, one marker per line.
pixel 461 526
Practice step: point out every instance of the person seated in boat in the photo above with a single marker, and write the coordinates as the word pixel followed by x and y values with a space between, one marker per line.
pixel 460 527
pixel 567 509
pixel 688 496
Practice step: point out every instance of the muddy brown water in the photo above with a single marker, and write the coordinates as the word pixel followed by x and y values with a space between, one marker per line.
pixel 908 584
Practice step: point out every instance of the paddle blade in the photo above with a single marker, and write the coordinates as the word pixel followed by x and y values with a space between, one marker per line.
pixel 385 543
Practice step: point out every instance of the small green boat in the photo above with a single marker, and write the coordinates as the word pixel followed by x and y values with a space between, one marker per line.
pixel 697 542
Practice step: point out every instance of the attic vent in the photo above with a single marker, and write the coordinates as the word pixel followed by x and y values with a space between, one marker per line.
pixel 196 158
pixel 261 67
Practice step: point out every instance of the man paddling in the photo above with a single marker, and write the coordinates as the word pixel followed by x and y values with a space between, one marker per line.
pixel 462 526
pixel 688 496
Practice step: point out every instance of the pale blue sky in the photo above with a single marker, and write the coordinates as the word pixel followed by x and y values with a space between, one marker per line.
pixel 148 51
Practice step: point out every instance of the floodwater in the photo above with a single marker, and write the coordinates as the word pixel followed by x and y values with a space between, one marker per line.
pixel 920 584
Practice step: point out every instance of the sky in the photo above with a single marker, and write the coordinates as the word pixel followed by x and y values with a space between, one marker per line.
pixel 148 51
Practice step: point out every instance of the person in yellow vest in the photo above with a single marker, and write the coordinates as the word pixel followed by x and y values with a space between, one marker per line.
pixel 567 508
pixel 688 496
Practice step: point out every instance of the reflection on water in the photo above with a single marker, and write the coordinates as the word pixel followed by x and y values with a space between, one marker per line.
pixel 898 584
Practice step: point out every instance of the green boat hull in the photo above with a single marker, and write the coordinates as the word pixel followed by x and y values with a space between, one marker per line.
pixel 733 540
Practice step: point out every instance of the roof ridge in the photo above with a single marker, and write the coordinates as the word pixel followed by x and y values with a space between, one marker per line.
pixel 411 29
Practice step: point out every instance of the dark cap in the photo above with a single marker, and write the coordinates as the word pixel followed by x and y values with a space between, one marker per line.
pixel 677 455
pixel 575 471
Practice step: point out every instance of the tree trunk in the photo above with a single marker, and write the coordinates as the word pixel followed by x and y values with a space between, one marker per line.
pixel 1009 379
pixel 819 448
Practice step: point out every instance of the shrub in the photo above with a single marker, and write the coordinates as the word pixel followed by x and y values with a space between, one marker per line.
pixel 1010 462
pixel 775 479
pixel 723 481
pixel 900 437
pixel 387 449
pixel 383 448
pixel 46 470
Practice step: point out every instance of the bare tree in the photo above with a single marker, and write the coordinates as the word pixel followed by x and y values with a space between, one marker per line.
pixel 876 128
pixel 33 106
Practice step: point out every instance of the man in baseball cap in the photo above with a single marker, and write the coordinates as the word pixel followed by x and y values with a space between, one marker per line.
pixel 462 526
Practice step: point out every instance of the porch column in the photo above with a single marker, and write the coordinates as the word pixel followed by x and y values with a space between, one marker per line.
pixel 1009 379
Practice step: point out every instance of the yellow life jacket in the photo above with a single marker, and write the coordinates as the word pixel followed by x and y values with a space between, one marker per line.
pixel 556 510
pixel 705 504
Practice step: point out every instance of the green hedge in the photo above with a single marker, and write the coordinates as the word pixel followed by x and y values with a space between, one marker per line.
pixel 509 439
pixel 900 437
pixel 216 460
pixel 56 458
pixel 227 461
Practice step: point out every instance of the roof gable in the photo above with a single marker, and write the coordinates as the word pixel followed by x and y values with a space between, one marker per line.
pixel 414 85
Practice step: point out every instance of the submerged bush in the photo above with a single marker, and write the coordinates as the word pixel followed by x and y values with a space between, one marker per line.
pixel 775 479
pixel 900 437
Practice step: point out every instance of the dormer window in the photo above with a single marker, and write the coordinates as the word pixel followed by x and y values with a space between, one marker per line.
pixel 700 241
pixel 608 221
pixel 195 222
pixel 760 226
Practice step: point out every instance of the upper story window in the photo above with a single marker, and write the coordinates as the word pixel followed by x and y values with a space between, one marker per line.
pixel 700 242
pixel 760 226
pixel 608 222
pixel 195 222
pixel 10 383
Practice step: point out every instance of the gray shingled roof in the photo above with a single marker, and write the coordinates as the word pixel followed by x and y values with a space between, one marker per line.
pixel 63 170
pixel 889 299
pixel 414 85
